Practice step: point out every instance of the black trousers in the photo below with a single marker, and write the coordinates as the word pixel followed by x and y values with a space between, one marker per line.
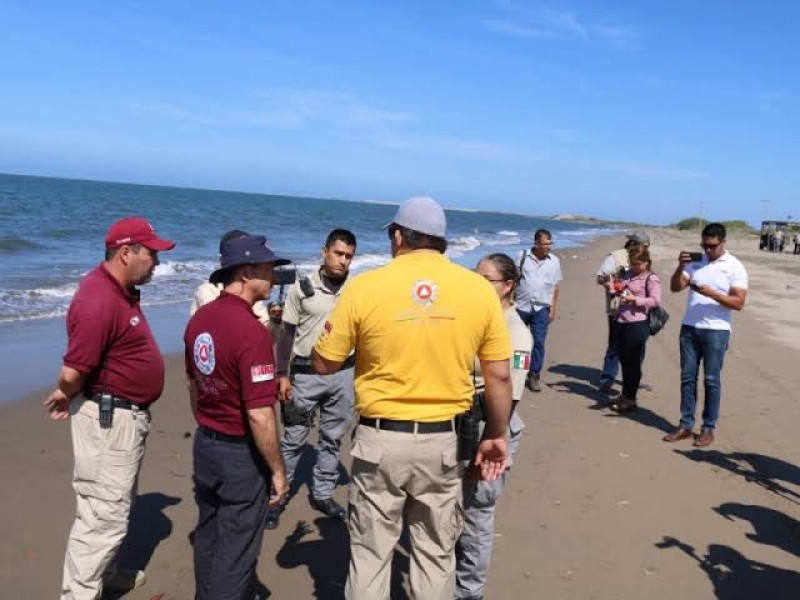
pixel 231 483
pixel 631 339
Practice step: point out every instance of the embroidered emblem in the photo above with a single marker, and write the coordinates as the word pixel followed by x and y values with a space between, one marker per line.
pixel 259 373
pixel 522 360
pixel 424 292
pixel 135 321
pixel 204 357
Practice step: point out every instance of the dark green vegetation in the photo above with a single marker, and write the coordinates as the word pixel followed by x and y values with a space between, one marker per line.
pixel 698 223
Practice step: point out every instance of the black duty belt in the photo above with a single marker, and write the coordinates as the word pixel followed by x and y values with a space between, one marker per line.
pixel 118 402
pixel 302 365
pixel 409 426
pixel 223 437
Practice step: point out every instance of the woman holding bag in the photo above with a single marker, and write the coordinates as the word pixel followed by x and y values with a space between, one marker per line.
pixel 641 293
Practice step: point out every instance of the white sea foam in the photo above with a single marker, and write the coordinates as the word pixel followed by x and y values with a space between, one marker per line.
pixel 504 232
pixel 170 268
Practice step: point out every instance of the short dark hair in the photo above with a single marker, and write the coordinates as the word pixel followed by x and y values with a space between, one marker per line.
pixel 112 252
pixel 341 235
pixel 542 232
pixel 714 230
pixel 419 241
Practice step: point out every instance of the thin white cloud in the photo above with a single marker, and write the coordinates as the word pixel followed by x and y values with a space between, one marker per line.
pixel 295 107
pixel 558 24
pixel 455 147
pixel 284 109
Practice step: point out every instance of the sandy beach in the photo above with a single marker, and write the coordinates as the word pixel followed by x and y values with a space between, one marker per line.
pixel 597 507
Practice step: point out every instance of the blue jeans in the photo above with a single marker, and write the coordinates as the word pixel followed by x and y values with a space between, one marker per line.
pixel 538 321
pixel 611 359
pixel 708 345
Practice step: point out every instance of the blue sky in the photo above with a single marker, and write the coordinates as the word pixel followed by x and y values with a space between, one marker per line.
pixel 648 111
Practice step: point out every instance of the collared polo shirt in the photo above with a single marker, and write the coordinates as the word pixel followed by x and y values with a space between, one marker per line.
pixel 538 282
pixel 229 355
pixel 521 344
pixel 722 274
pixel 416 326
pixel 308 313
pixel 110 341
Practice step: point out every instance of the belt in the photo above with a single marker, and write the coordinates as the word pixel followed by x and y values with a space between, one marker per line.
pixel 409 426
pixel 119 402
pixel 302 365
pixel 222 437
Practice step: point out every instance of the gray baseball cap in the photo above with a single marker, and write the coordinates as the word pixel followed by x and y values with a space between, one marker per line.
pixel 640 237
pixel 422 214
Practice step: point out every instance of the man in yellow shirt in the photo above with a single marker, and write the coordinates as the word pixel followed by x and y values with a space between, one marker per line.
pixel 416 326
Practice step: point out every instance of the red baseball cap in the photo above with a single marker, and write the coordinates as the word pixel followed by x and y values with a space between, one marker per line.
pixel 135 230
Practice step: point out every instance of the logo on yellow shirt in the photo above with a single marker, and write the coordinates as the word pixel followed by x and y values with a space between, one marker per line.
pixel 424 292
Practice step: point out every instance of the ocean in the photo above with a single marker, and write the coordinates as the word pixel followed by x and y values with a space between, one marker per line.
pixel 52 231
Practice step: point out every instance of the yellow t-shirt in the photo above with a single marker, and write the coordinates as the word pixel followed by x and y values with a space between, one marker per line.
pixel 416 326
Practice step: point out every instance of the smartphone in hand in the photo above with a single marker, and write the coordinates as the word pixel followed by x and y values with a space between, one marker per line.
pixel 695 256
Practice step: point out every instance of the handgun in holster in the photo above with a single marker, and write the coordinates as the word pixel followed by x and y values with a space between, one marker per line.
pixel 469 428
pixel 291 415
pixel 106 413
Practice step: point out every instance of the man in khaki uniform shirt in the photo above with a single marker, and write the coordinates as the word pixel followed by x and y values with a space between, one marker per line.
pixel 301 390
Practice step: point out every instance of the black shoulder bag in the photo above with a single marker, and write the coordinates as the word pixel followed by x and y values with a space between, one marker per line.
pixel 657 316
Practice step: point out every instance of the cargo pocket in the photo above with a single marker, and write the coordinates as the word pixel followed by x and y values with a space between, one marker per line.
pixel 87 444
pixel 452 524
pixel 365 485
pixel 122 456
pixel 451 466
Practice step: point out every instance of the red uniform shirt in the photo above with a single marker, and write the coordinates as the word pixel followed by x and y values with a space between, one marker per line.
pixel 229 355
pixel 111 342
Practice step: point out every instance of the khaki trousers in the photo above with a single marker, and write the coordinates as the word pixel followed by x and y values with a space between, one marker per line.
pixel 106 470
pixel 394 474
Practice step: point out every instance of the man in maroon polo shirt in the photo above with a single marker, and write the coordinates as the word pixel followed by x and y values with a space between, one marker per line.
pixel 230 367
pixel 112 372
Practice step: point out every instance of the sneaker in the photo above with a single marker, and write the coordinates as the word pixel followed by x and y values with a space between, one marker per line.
pixel 125 580
pixel 328 507
pixel 532 383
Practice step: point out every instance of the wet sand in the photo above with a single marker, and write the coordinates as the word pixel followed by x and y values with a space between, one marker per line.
pixel 598 507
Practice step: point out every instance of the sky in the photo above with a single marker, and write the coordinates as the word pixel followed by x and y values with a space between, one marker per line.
pixel 643 111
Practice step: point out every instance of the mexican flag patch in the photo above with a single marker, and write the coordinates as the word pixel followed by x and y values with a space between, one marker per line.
pixel 522 360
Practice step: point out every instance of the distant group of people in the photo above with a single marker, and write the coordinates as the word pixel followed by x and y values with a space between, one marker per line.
pixel 429 379
pixel 718 283
pixel 775 240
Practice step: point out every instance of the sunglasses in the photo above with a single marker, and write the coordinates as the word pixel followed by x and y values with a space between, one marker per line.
pixel 710 246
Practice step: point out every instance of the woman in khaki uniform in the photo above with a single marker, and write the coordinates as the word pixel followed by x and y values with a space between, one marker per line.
pixel 474 548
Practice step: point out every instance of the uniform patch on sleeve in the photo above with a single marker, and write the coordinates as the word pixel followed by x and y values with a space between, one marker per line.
pixel 259 373
pixel 204 354
pixel 522 360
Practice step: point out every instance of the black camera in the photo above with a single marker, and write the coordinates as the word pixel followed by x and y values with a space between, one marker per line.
pixel 285 275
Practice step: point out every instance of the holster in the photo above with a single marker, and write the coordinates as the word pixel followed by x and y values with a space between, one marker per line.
pixel 469 428
pixel 291 415
pixel 106 413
